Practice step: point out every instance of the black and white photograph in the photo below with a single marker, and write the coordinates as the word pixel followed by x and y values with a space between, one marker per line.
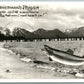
pixel 42 40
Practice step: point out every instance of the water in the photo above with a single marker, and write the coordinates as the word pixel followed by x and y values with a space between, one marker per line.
pixel 20 68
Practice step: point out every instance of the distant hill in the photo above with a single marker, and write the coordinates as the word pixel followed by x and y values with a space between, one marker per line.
pixel 56 33
pixel 78 32
pixel 19 32
pixel 42 33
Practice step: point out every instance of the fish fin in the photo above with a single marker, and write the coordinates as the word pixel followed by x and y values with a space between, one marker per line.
pixel 69 51
pixel 50 59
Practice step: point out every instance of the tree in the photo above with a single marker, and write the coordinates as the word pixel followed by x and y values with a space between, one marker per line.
pixel 7 32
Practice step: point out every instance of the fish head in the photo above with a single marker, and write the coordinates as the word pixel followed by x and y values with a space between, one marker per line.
pixel 47 49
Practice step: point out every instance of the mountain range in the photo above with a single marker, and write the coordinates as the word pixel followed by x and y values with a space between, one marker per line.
pixel 42 33
pixel 56 33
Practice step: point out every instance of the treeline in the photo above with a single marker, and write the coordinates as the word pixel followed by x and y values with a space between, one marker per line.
pixel 19 34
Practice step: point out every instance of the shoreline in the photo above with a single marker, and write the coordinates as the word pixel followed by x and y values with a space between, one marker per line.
pixel 48 67
pixel 20 70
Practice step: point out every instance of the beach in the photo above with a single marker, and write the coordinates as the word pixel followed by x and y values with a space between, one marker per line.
pixel 17 68
pixel 12 67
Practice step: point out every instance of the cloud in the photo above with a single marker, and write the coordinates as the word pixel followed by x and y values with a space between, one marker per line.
pixel 57 16
pixel 62 18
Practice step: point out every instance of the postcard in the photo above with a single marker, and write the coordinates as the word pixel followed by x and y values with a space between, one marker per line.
pixel 42 41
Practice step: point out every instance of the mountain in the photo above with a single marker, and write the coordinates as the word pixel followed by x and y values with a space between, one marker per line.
pixel 19 32
pixel 56 33
pixel 5 30
pixel 79 32
pixel 76 32
pixel 19 24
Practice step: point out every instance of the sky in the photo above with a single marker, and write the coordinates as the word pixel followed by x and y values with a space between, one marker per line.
pixel 58 15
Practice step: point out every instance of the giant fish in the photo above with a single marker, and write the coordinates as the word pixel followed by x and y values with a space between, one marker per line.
pixel 63 57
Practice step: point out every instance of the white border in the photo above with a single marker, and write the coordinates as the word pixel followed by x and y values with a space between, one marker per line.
pixel 40 80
